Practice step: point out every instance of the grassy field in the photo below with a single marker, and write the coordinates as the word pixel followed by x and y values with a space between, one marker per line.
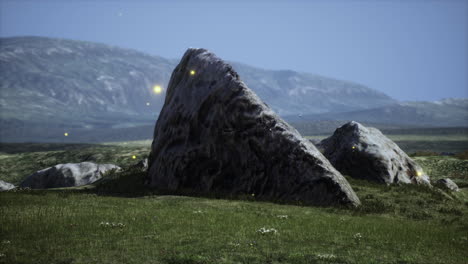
pixel 119 221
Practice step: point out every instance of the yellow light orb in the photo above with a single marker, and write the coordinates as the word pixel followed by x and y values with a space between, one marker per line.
pixel 157 89
pixel 133 157
pixel 65 134
pixel 353 147
pixel 192 72
pixel 419 173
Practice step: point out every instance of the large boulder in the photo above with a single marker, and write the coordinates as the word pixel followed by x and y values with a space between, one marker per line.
pixel 215 135
pixel 67 175
pixel 5 186
pixel 447 184
pixel 365 153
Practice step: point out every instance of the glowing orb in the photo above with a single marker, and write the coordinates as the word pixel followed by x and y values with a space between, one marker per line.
pixel 133 157
pixel 147 104
pixel 353 147
pixel 192 72
pixel 419 173
pixel 157 89
pixel 65 134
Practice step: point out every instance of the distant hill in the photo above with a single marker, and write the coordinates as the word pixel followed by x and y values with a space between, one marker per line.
pixel 445 113
pixel 100 92
pixel 57 80
pixel 78 83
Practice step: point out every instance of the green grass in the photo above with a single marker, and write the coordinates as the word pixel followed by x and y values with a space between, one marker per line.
pixel 395 224
pixel 17 161
pixel 64 227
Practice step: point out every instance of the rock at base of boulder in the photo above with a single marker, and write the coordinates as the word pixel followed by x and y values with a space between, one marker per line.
pixel 67 175
pixel 447 184
pixel 141 165
pixel 5 186
pixel 365 153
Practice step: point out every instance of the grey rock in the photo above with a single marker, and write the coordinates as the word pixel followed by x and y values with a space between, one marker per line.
pixel 142 164
pixel 67 175
pixel 365 153
pixel 214 134
pixel 5 186
pixel 447 184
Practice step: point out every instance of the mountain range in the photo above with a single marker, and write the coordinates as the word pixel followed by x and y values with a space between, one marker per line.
pixel 65 84
pixel 444 113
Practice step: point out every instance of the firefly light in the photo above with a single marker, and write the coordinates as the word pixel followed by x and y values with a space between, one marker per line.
pixel 157 89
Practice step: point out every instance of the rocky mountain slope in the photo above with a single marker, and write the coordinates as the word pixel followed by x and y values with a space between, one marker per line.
pixel 89 84
pixel 67 81
pixel 51 86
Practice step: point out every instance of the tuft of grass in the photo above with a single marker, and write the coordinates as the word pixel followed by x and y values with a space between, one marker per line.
pixel 462 155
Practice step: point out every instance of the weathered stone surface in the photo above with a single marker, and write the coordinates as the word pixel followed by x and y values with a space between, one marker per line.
pixel 447 184
pixel 67 175
pixel 215 135
pixel 5 186
pixel 365 153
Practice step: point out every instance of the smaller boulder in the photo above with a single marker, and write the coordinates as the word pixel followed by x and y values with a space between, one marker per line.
pixel 5 186
pixel 365 153
pixel 447 184
pixel 142 165
pixel 67 175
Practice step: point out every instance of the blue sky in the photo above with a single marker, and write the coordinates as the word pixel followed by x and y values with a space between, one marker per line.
pixel 411 50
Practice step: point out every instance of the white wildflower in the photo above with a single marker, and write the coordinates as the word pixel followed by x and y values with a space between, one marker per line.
pixel 111 224
pixel 264 231
pixel 326 256
pixel 197 212
pixel 357 236
pixel 282 216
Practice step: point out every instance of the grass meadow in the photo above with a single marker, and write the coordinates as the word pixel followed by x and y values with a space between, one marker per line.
pixel 117 220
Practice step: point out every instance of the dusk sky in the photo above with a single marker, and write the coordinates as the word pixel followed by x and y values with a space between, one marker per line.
pixel 410 50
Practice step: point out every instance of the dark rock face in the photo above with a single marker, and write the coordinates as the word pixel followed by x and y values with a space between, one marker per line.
pixel 5 186
pixel 67 175
pixel 215 135
pixel 447 184
pixel 365 153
